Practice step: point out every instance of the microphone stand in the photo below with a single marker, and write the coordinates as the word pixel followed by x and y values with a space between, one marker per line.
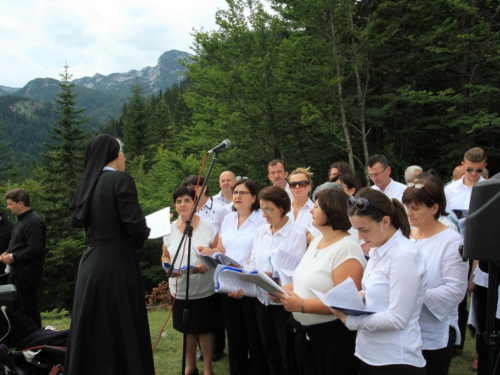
pixel 188 231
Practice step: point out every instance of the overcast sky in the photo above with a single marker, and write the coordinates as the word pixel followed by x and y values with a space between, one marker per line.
pixel 37 37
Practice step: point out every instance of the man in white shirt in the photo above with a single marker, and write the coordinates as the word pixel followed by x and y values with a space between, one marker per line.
pixel 226 182
pixel 278 175
pixel 458 194
pixel 379 172
pixel 207 208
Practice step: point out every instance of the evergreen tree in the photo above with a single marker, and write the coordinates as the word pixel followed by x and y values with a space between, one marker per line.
pixel 5 161
pixel 135 123
pixel 63 169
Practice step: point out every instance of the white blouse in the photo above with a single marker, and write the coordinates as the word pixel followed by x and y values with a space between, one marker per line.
pixel 316 271
pixel 200 285
pixel 446 287
pixel 290 238
pixel 238 241
pixel 394 284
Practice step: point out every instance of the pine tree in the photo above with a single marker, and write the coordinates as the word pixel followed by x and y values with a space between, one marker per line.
pixel 64 167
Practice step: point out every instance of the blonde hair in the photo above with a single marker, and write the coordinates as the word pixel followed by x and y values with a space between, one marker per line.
pixel 304 171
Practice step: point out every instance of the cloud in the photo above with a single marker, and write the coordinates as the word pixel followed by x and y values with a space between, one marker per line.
pixel 94 36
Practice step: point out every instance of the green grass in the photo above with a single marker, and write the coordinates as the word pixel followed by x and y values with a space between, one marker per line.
pixel 168 353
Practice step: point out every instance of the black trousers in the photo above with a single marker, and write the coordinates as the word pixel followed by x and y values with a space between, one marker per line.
pixel 439 360
pixel 324 348
pixel 27 281
pixel 220 328
pixel 366 369
pixel 246 353
pixel 271 320
pixel 481 295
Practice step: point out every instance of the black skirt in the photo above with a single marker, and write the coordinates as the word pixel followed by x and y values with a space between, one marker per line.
pixel 201 315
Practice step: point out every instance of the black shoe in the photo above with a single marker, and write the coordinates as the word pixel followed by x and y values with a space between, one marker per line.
pixel 199 356
pixel 217 356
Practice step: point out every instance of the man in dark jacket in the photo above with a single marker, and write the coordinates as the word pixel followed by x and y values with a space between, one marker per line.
pixel 25 254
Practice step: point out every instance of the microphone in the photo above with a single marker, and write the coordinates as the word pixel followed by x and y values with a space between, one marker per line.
pixel 226 143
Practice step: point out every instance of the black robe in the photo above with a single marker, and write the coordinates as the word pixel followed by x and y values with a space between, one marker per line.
pixel 109 331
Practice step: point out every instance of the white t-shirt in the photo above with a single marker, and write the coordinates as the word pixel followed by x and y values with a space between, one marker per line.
pixel 458 195
pixel 290 238
pixel 238 241
pixel 316 269
pixel 446 287
pixel 394 284
pixel 200 285
pixel 393 190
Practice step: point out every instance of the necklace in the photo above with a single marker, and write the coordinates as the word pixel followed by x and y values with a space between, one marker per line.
pixel 317 250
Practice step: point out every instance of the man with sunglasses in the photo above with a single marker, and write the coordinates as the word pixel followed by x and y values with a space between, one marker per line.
pixel 379 172
pixel 458 193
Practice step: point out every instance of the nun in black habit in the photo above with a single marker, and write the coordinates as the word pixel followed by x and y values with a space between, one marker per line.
pixel 109 331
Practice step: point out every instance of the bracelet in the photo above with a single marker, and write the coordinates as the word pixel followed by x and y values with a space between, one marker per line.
pixel 302 307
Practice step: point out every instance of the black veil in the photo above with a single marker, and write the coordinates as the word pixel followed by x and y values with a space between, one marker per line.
pixel 99 152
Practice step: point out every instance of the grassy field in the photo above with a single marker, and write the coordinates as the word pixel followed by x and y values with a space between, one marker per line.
pixel 168 352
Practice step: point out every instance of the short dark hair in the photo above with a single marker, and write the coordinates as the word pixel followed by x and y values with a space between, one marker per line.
pixel 378 158
pixel 333 203
pixel 183 190
pixel 253 188
pixel 350 180
pixel 429 194
pixel 380 206
pixel 193 181
pixel 475 155
pixel 274 162
pixel 19 195
pixel 278 196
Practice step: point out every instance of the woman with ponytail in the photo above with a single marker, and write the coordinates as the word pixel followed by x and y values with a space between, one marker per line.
pixel 393 286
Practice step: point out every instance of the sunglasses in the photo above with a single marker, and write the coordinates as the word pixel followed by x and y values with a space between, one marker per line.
pixel 360 203
pixel 241 178
pixel 470 170
pixel 302 183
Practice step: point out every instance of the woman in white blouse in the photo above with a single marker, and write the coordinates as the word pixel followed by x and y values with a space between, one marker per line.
pixel 279 234
pixel 322 343
pixel 235 240
pixel 393 285
pixel 300 182
pixel 202 300
pixel 446 272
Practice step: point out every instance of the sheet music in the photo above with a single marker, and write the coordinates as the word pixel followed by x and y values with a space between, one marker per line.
pixel 230 280
pixel 159 223
pixel 285 276
pixel 345 295
pixel 264 282
pixel 285 260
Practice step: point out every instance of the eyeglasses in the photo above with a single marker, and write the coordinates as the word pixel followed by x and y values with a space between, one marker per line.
pixel 470 170
pixel 301 183
pixel 360 203
pixel 240 192
pixel 373 175
pixel 241 178
pixel 268 211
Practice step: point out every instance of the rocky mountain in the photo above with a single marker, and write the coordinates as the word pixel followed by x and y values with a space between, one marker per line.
pixel 152 79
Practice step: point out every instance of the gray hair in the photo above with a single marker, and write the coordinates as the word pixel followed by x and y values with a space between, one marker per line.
pixel 327 185
pixel 410 172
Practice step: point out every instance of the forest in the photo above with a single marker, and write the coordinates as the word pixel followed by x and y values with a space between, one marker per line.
pixel 310 82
